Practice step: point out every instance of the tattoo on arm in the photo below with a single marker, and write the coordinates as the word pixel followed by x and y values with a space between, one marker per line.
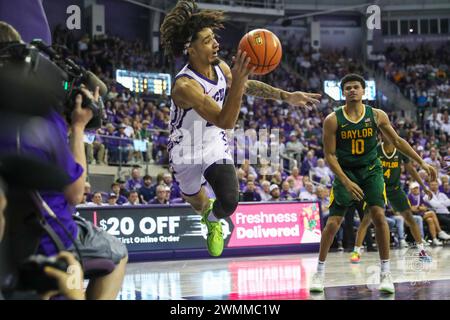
pixel 263 90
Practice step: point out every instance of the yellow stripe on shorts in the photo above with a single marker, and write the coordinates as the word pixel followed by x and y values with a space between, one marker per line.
pixel 331 198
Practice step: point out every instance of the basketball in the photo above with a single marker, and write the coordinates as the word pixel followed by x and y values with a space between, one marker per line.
pixel 264 49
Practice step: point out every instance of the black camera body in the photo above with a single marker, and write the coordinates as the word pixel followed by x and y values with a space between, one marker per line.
pixel 96 108
pixel 35 79
pixel 33 277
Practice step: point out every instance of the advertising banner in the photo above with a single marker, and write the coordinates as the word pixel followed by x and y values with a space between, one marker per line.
pixel 178 227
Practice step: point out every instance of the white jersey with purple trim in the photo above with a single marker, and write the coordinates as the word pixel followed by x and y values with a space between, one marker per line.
pixel 194 143
pixel 186 125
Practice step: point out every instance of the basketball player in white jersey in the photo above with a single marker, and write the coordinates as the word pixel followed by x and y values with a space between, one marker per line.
pixel 206 100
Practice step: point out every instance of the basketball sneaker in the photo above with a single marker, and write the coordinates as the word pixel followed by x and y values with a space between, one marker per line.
pixel 424 256
pixel 403 244
pixel 355 257
pixel 425 243
pixel 443 235
pixel 386 284
pixel 214 240
pixel 316 283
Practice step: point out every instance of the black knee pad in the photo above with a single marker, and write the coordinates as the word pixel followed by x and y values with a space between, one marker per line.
pixel 225 205
pixel 223 180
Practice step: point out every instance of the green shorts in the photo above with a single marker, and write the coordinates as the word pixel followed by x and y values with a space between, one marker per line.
pixel 397 199
pixel 369 179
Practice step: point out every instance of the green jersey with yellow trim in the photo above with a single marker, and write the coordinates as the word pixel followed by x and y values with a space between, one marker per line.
pixel 391 164
pixel 356 141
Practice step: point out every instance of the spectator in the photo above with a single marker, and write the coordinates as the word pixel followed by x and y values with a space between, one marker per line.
pixel 297 179
pixel 161 196
pixel 294 148
pixel 398 222
pixel 434 120
pixel 308 194
pixel 96 149
pixel 286 194
pixel 135 182
pixel 111 143
pixel 274 193
pixel 84 202
pixel 112 199
pixel 322 173
pixel 97 199
pixel 241 179
pixel 419 207
pixel 127 128
pixel 445 186
pixel 277 179
pixel 445 127
pixel 133 199
pixel 324 199
pixel 292 188
pixel 250 194
pixel 175 191
pixel 148 191
pixel 124 144
pixel 308 163
pixel 434 159
pixel 265 192
pixel 167 190
pixel 440 203
pixel 248 169
pixel 115 188
pixel 305 180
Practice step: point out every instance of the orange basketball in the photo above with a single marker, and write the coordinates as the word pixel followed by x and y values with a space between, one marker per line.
pixel 264 49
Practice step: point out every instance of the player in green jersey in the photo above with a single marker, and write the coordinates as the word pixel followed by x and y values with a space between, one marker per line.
pixel 391 160
pixel 350 147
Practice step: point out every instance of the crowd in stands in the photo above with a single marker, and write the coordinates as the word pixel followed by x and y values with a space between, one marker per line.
pixel 270 126
pixel 422 73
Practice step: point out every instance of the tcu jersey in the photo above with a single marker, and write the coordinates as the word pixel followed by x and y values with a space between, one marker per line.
pixel 186 125
pixel 194 143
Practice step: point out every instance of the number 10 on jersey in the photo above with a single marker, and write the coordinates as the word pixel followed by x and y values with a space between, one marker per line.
pixel 357 146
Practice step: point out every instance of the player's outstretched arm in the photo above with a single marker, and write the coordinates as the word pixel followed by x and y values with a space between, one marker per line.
pixel 188 93
pixel 386 128
pixel 329 147
pixel 263 90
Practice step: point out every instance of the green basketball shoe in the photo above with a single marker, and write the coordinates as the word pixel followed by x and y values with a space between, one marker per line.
pixel 214 240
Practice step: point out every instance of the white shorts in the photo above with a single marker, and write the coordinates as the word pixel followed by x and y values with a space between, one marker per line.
pixel 189 165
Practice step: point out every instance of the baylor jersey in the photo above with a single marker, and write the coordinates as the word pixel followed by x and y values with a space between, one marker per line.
pixel 391 164
pixel 356 141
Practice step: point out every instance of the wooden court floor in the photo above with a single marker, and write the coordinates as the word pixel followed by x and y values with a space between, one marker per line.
pixel 288 277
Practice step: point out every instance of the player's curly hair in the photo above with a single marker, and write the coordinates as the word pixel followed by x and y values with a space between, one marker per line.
pixel 182 24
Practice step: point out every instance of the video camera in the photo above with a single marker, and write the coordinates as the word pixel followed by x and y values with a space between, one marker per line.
pixel 34 79
pixel 20 268
pixel 33 277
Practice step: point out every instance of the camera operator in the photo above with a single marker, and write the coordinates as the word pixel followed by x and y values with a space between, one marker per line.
pixel 70 285
pixel 48 142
